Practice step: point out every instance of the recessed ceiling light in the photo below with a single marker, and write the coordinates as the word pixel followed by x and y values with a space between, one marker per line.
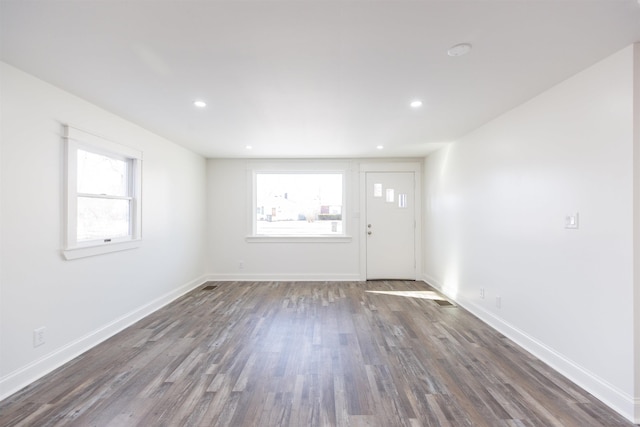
pixel 248 147
pixel 199 103
pixel 459 49
pixel 380 147
pixel 416 104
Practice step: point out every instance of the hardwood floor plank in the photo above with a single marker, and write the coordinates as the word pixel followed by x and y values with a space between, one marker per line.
pixel 306 354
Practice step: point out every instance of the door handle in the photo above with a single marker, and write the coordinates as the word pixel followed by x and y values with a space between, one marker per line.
pixel 369 233
pixel 368 225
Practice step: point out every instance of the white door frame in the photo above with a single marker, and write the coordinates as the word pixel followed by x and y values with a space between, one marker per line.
pixel 416 168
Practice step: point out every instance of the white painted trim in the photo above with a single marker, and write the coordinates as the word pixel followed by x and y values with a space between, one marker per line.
pixel 83 137
pixel 318 277
pixel 87 251
pixel 75 140
pixel 609 394
pixel 391 166
pixel 16 380
pixel 286 168
pixel 299 239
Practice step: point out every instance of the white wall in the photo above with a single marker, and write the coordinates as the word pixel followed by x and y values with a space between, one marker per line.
pixel 230 204
pixel 229 194
pixel 636 185
pixel 495 204
pixel 81 302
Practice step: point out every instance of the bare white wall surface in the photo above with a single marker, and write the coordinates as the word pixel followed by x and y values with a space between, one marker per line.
pixel 636 185
pixel 495 208
pixel 82 302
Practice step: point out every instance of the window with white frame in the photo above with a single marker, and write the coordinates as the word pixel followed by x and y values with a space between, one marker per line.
pixel 103 195
pixel 299 204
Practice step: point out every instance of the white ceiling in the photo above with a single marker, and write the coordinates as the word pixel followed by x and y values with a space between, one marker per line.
pixel 310 77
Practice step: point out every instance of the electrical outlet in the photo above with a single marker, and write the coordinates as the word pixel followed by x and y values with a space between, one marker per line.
pixel 39 336
pixel 240 265
pixel 499 302
pixel 482 293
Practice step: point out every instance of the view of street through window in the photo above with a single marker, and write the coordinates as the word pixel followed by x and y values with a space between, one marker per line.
pixel 292 204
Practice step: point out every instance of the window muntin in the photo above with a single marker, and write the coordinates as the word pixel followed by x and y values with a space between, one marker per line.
pixel 299 204
pixel 103 194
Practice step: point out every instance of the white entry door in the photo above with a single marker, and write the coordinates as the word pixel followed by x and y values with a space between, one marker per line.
pixel 390 222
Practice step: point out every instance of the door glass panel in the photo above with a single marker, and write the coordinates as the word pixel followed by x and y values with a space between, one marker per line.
pixel 390 195
pixel 402 200
pixel 377 190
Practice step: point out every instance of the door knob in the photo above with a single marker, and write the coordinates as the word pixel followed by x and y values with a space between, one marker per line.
pixel 369 233
pixel 368 225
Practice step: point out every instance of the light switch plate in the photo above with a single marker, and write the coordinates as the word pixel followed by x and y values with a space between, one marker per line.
pixel 571 221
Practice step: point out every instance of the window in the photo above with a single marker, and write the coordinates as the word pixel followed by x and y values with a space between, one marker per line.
pixel 103 195
pixel 299 204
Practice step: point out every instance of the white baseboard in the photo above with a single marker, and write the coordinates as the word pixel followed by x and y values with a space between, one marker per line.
pixel 609 394
pixel 320 277
pixel 35 370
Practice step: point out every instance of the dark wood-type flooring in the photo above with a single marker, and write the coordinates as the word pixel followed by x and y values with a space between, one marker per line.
pixel 306 354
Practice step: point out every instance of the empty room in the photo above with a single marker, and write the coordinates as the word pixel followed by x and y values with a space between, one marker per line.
pixel 320 213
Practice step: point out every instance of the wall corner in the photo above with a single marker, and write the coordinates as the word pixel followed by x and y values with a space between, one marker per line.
pixel 636 230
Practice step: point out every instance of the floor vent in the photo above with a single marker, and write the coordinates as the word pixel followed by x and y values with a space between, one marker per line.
pixel 209 287
pixel 444 303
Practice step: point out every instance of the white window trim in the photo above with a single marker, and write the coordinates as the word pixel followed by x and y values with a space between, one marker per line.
pixel 75 139
pixel 252 237
pixel 325 238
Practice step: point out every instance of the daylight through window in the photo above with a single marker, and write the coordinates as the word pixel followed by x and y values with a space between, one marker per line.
pixel 104 197
pixel 103 194
pixel 299 204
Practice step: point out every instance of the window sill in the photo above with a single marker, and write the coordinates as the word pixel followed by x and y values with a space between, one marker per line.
pixel 298 239
pixel 87 251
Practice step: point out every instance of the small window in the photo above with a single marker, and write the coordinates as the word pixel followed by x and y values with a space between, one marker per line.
pixel 103 195
pixel 299 204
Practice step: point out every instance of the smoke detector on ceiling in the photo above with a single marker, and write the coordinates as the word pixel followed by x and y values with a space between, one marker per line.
pixel 461 49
